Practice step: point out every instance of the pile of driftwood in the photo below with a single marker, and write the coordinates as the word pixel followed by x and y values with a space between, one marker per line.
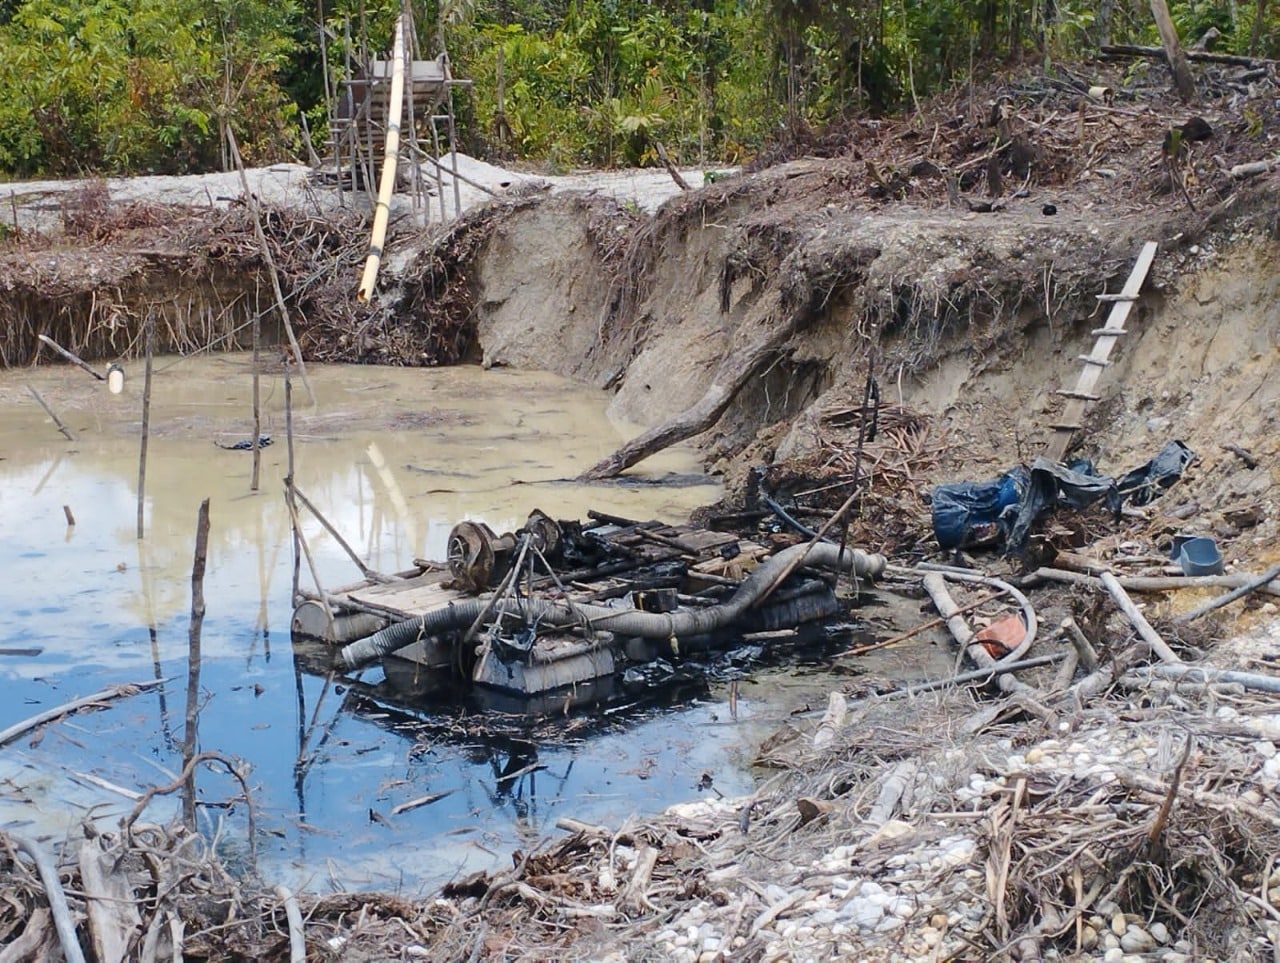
pixel 887 470
pixel 1106 123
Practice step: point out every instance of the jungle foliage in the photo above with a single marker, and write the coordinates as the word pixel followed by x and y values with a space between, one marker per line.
pixel 118 86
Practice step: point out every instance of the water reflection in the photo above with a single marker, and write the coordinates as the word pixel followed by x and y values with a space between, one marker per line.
pixel 394 459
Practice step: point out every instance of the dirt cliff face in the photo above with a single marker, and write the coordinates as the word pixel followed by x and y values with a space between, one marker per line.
pixel 972 319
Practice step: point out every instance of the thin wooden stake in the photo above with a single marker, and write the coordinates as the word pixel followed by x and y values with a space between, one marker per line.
pixel 193 666
pixel 257 403
pixel 365 570
pixel 49 411
pixel 71 519
pixel 311 562
pixel 799 559
pixel 146 423
pixel 269 260
pixel 288 479
pixel 73 358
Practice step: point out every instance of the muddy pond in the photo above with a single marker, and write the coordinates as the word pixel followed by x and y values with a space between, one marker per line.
pixel 394 458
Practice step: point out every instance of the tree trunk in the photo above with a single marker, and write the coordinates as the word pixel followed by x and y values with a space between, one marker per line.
pixel 735 370
pixel 1182 80
pixel 1255 36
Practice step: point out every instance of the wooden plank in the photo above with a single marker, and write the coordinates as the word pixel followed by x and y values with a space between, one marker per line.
pixel 370 591
pixel 408 597
pixel 1094 362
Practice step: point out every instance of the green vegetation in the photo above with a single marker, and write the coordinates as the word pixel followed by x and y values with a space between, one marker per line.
pixel 116 86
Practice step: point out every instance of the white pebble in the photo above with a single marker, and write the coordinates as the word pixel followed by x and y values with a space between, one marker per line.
pixel 1137 940
pixel 1113 955
pixel 862 913
pixel 1088 938
pixel 1160 932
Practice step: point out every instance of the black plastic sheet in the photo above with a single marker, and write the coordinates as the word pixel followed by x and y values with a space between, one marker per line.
pixel 965 512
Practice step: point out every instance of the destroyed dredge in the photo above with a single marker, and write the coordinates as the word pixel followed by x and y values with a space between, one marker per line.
pixel 555 612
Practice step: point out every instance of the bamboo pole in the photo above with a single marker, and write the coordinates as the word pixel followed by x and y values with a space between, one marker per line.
pixel 390 155
pixel 297 938
pixel 63 922
pixel 1150 636
pixel 365 570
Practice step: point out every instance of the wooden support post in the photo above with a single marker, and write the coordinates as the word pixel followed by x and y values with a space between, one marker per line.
pixel 270 261
pixel 1183 82
pixel 146 424
pixel 189 738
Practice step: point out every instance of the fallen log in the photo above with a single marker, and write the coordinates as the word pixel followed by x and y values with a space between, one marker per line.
pixel 737 368
pixel 96 700
pixel 1252 169
pixel 1204 56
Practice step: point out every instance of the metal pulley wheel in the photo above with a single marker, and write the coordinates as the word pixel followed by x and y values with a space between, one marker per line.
pixel 544 532
pixel 471 554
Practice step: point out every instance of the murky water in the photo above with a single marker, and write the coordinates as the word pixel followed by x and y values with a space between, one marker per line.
pixel 394 458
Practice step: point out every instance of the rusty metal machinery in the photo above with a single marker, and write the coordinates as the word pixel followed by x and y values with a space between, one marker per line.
pixel 544 532
pixel 477 557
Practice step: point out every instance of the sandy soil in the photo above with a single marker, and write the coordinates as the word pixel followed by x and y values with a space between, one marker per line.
pixel 41 205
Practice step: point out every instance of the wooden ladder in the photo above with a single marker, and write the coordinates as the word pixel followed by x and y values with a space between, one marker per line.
pixel 1096 360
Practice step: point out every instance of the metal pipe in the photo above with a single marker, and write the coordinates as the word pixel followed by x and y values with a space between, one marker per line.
pixel 649 625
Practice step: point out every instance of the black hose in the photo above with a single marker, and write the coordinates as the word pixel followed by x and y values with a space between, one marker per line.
pixel 649 625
